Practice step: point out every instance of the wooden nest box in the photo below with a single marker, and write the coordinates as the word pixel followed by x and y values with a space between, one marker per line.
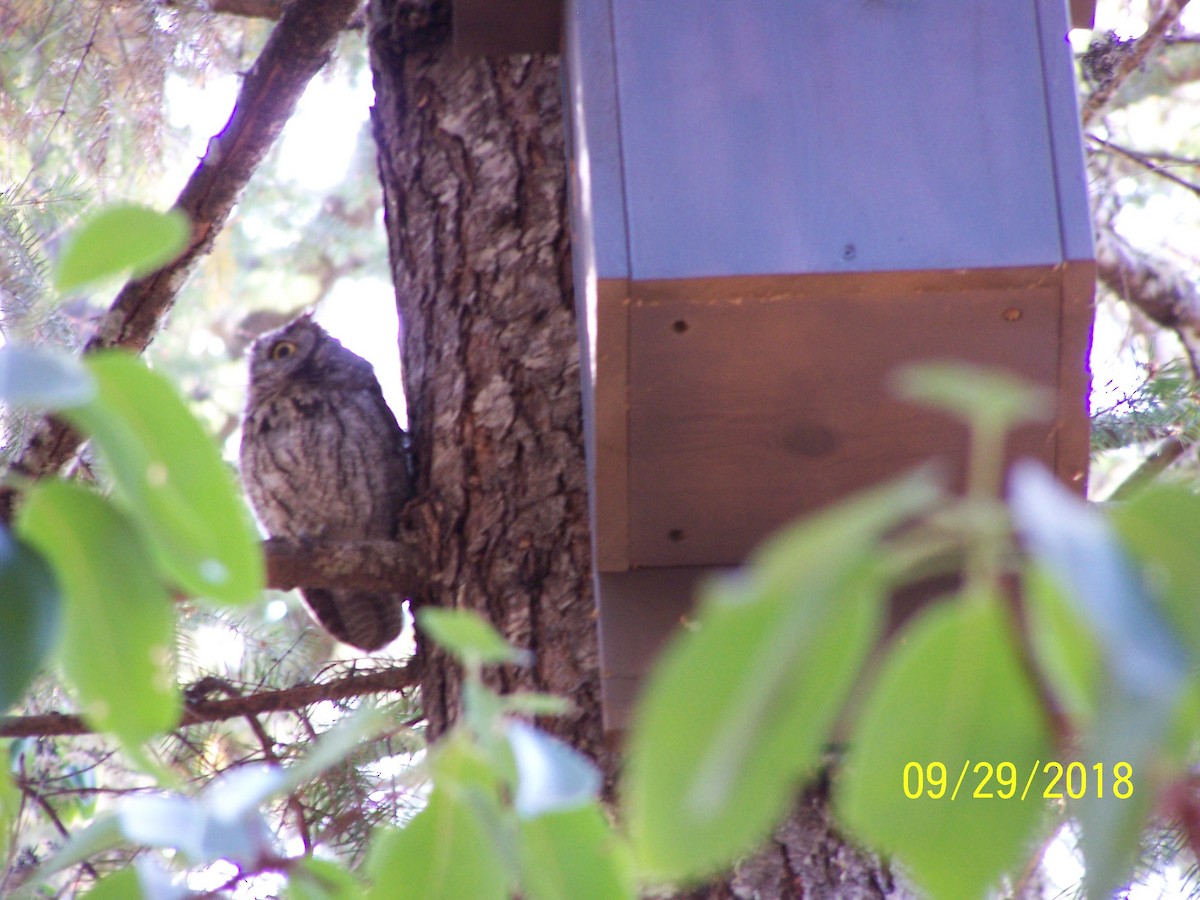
pixel 777 204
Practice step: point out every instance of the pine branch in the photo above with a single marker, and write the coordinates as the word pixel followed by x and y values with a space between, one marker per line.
pixel 1162 406
pixel 1153 36
pixel 201 709
pixel 298 48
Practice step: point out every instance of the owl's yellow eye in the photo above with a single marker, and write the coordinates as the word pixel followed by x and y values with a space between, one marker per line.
pixel 282 350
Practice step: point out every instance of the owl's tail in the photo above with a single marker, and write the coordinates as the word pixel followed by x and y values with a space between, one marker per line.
pixel 367 621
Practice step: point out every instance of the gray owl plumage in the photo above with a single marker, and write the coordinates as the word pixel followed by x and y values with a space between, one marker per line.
pixel 323 457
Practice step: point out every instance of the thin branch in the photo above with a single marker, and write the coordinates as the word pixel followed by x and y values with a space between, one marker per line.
pixel 1165 156
pixel 52 815
pixel 1189 352
pixel 62 110
pixel 1146 161
pixel 213 684
pixel 198 710
pixel 299 46
pixel 1153 36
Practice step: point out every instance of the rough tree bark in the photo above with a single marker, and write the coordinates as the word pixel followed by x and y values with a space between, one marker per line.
pixel 471 157
pixel 473 171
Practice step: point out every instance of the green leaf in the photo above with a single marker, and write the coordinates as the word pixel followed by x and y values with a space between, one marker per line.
pixel 29 616
pixel 447 852
pixel 171 820
pixel 42 378
pixel 224 822
pixel 988 400
pixel 1065 650
pixel 121 239
pixel 532 704
pixel 1144 668
pixel 574 855
pixel 1161 526
pixel 1076 545
pixel 951 700
pixel 10 803
pixel 157 882
pixel 122 885
pixel 181 493
pixel 1127 731
pixel 102 834
pixel 739 709
pixel 460 845
pixel 119 623
pixel 321 879
pixel 551 775
pixel 461 762
pixel 469 636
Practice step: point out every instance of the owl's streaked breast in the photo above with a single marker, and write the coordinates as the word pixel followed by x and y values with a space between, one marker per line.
pixel 323 463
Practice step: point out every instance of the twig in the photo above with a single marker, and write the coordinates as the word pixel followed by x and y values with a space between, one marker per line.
pixel 66 102
pixel 1153 36
pixel 1147 162
pixel 211 684
pixel 1165 156
pixel 299 46
pixel 52 814
pixel 1193 362
pixel 201 709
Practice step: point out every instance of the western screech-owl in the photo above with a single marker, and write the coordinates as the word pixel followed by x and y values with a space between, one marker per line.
pixel 322 457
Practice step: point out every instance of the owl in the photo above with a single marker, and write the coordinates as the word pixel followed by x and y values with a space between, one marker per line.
pixel 322 457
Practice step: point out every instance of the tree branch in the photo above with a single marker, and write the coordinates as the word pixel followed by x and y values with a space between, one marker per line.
pixel 299 46
pixel 1150 468
pixel 1153 36
pixel 259 9
pixel 1162 293
pixel 1150 162
pixel 199 710
pixel 371 565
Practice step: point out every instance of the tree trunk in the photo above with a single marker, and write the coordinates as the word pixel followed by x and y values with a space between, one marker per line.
pixel 472 161
pixel 806 858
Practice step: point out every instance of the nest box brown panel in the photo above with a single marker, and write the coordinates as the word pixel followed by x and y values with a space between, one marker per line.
pixel 503 27
pixel 775 206
pixel 497 27
pixel 751 409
